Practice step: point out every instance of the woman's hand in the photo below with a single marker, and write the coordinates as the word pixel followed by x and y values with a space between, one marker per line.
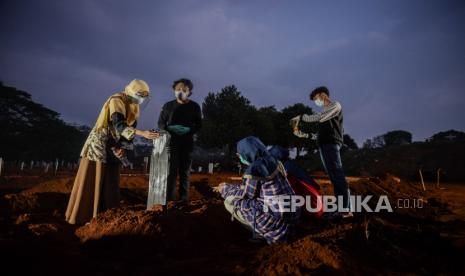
pixel 147 134
pixel 219 188
pixel 118 152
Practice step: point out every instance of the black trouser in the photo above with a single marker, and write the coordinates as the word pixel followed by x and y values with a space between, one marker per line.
pixel 180 162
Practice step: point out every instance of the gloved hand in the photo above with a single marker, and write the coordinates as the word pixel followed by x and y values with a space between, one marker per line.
pixel 179 129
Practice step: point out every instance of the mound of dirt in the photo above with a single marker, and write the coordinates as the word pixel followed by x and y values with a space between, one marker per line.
pixel 200 238
pixel 300 257
pixel 35 202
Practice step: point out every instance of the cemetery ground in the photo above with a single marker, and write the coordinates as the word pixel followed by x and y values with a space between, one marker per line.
pixel 200 238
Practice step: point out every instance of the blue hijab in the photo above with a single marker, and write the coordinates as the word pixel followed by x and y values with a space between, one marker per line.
pixel 262 164
pixel 279 153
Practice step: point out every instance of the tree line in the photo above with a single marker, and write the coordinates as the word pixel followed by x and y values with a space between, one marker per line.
pixel 31 131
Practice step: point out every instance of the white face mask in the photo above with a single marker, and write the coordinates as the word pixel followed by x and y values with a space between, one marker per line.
pixel 138 99
pixel 319 102
pixel 180 95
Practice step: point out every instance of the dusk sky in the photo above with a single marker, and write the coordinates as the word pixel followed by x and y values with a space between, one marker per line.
pixel 393 64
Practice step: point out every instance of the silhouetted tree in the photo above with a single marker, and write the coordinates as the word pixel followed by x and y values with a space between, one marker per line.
pixel 391 138
pixel 349 143
pixel 397 137
pixel 31 131
pixel 227 117
pixel 368 144
pixel 378 141
pixel 265 125
pixel 450 135
pixel 285 137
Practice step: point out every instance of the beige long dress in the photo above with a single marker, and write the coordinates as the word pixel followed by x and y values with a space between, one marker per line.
pixel 95 189
pixel 96 186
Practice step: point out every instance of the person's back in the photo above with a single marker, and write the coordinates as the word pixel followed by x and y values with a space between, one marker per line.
pixel 291 167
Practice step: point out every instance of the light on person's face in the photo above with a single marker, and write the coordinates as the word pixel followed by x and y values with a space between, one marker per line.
pixel 319 100
pixel 182 88
pixel 182 92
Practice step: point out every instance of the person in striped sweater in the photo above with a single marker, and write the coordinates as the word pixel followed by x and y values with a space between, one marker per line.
pixel 330 140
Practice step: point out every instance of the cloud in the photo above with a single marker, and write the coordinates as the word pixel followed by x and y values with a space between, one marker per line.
pixel 396 64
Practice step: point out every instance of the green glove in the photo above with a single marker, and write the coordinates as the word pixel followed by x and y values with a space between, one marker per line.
pixel 184 130
pixel 174 129
pixel 178 129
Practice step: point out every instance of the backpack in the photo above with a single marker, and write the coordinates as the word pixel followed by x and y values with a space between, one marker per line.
pixel 302 188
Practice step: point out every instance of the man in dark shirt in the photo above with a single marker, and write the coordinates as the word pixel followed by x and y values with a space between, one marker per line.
pixel 330 139
pixel 182 119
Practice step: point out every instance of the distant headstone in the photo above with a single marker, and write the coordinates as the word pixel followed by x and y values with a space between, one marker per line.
pixel 210 168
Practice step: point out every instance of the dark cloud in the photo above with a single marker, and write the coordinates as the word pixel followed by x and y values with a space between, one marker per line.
pixel 392 64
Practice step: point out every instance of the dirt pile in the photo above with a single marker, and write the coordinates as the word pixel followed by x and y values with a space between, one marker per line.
pixel 179 222
pixel 200 238
pixel 413 240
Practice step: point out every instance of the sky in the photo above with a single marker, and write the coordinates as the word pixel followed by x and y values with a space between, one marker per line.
pixel 393 64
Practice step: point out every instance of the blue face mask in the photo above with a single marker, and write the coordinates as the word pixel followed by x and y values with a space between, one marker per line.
pixel 243 161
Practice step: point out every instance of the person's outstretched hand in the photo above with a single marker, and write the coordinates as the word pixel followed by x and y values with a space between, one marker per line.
pixel 219 188
pixel 147 134
pixel 119 153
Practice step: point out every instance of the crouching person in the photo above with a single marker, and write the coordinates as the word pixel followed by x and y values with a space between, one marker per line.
pixel 264 179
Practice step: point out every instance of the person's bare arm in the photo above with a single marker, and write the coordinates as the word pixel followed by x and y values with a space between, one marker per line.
pixel 147 134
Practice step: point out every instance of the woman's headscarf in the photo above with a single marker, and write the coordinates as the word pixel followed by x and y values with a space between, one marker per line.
pixel 135 87
pixel 122 103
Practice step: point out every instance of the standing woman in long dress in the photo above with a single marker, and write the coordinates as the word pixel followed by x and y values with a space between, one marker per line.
pixel 96 186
